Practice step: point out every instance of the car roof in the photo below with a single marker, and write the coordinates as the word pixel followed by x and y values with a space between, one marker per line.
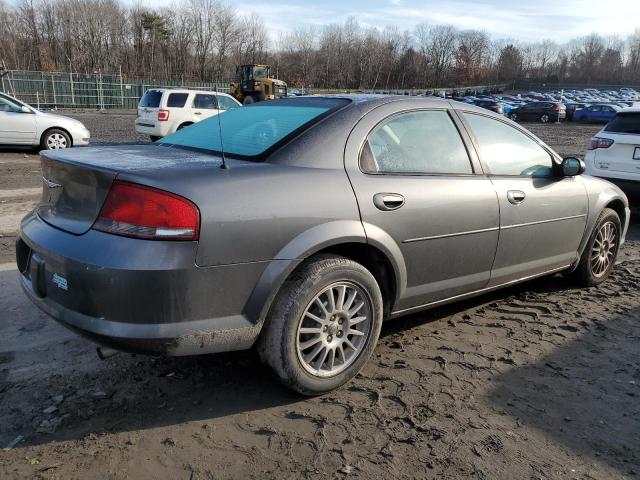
pixel 187 90
pixel 370 101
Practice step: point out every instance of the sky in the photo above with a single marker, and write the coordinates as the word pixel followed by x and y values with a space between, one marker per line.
pixel 532 20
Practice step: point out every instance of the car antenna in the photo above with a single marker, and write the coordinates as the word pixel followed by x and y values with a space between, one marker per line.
pixel 224 165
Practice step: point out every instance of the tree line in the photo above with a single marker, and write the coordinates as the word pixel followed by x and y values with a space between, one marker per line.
pixel 204 40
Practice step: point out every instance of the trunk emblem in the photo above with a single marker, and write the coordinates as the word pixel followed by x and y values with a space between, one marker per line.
pixel 60 281
pixel 50 184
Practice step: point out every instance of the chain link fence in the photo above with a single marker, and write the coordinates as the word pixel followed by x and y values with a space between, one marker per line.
pixel 51 90
pixel 94 91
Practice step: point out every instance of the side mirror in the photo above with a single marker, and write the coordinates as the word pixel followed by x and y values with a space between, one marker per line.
pixel 572 166
pixel 24 109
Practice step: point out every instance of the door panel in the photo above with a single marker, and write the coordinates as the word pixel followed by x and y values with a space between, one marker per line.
pixel 542 215
pixel 544 231
pixel 447 227
pixel 17 128
pixel 447 230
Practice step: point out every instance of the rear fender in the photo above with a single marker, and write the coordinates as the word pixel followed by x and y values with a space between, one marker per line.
pixel 291 255
pixel 307 244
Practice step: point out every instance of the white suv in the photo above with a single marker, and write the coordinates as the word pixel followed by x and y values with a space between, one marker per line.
pixel 162 111
pixel 614 153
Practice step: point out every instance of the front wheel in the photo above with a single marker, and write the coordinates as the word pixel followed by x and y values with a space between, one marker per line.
pixel 323 326
pixel 514 117
pixel 544 118
pixel 599 256
pixel 55 139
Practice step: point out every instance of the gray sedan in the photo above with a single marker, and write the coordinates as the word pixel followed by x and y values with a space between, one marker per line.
pixel 323 217
pixel 21 124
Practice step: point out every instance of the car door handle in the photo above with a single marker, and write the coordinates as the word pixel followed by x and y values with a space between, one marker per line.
pixel 388 201
pixel 516 196
pixel 197 113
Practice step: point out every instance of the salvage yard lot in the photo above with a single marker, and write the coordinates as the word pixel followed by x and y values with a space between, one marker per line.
pixel 538 381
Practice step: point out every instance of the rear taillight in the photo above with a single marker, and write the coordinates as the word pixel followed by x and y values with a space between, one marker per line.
pixel 555 107
pixel 597 142
pixel 137 211
pixel 163 115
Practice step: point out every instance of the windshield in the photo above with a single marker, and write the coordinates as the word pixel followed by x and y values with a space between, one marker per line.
pixel 250 131
pixel 260 72
pixel 624 123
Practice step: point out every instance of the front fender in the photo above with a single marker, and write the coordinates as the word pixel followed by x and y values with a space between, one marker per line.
pixel 601 193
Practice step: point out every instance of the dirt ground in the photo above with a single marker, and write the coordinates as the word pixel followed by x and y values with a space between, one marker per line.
pixel 539 381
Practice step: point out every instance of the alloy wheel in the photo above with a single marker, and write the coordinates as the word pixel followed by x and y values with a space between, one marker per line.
pixel 56 141
pixel 604 249
pixel 334 329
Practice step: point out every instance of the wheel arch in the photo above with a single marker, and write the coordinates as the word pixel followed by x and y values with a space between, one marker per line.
pixel 56 128
pixel 610 197
pixel 343 237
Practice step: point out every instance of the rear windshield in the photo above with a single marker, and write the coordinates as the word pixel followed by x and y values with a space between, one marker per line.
pixel 151 99
pixel 624 123
pixel 252 131
pixel 177 100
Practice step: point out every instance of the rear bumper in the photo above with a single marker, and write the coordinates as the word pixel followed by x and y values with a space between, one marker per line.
pixel 156 129
pixel 136 295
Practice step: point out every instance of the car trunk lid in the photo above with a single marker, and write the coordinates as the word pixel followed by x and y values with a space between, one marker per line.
pixel 76 181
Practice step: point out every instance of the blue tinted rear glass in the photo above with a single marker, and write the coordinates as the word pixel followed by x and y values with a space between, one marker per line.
pixel 251 130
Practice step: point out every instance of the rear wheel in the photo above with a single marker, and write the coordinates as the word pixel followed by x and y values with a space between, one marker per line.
pixel 248 100
pixel 599 256
pixel 544 118
pixel 514 117
pixel 154 138
pixel 323 326
pixel 55 139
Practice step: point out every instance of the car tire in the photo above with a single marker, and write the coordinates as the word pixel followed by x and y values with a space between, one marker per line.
pixel 184 125
pixel 514 117
pixel 544 118
pixel 248 100
pixel 320 359
pixel 603 246
pixel 55 139
pixel 154 138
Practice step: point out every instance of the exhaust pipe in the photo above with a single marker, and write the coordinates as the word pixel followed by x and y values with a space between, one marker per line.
pixel 106 352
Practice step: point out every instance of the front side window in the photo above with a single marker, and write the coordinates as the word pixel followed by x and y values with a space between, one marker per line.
pixel 177 100
pixel 507 151
pixel 7 105
pixel 226 103
pixel 420 142
pixel 205 101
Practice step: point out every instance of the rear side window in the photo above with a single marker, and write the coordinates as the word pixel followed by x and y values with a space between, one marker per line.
pixel 151 99
pixel 177 100
pixel 507 151
pixel 416 142
pixel 205 101
pixel 624 123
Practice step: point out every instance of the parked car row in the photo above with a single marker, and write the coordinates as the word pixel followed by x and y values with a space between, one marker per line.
pixel 590 105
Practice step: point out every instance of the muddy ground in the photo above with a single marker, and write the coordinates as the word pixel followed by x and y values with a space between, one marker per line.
pixel 539 381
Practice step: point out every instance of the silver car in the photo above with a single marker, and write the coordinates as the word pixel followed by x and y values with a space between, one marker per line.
pixel 21 124
pixel 323 217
